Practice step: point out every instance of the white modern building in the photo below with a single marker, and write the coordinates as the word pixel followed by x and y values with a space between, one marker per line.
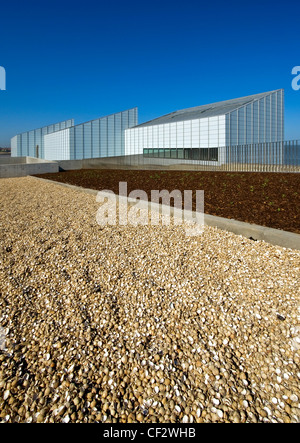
pixel 204 133
pixel 207 133
pixel 31 143
pixel 103 137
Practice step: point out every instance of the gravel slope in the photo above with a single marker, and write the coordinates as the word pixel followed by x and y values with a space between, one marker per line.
pixel 140 323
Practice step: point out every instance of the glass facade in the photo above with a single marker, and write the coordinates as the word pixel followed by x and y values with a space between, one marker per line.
pixel 261 121
pixel 31 144
pixel 57 145
pixel 253 120
pixel 103 137
pixel 182 138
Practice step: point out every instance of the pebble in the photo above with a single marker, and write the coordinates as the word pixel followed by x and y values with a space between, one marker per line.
pixel 140 324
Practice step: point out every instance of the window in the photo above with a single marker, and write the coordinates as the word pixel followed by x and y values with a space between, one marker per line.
pixel 180 153
pixel 202 154
pixel 213 154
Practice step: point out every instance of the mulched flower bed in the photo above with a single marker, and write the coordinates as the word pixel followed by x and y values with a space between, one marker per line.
pixel 264 198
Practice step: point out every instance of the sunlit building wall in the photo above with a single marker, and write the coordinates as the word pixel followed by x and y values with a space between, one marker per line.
pixel 203 133
pixel 31 143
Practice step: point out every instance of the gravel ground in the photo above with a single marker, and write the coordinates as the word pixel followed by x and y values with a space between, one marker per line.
pixel 140 324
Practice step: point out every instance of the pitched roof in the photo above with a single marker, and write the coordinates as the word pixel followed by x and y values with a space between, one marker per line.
pixel 211 110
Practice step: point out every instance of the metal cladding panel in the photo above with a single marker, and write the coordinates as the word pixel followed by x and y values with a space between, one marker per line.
pixel 195 143
pixel 118 135
pixel 222 131
pixel 110 136
pixel 96 138
pixel 249 120
pixel 187 134
pixel 14 146
pixel 173 138
pixel 57 145
pixel 102 137
pixel 166 135
pixel 233 128
pixel 268 118
pixel 136 140
pixel 31 144
pixel 241 125
pixel 280 115
pixel 261 121
pixel 127 141
pixel 149 136
pixel 72 143
pixel 87 140
pixel 78 141
pixel 24 144
pixel 132 117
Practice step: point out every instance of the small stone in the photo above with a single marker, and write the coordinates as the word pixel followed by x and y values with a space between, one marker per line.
pixel 185 419
pixel 140 417
pixel 220 413
pixel 76 401
pixel 294 398
pixel 40 418
pixel 124 359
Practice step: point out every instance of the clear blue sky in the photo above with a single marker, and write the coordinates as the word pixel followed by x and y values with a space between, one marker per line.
pixel 83 60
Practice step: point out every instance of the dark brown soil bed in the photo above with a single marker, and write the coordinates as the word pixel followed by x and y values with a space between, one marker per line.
pixel 264 198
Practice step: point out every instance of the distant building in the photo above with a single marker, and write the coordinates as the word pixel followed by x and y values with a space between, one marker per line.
pixel 104 137
pixel 31 143
pixel 203 133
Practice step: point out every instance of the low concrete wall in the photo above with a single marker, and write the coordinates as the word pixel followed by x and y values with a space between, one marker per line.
pixel 12 160
pixel 38 160
pixel 71 165
pixel 22 166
